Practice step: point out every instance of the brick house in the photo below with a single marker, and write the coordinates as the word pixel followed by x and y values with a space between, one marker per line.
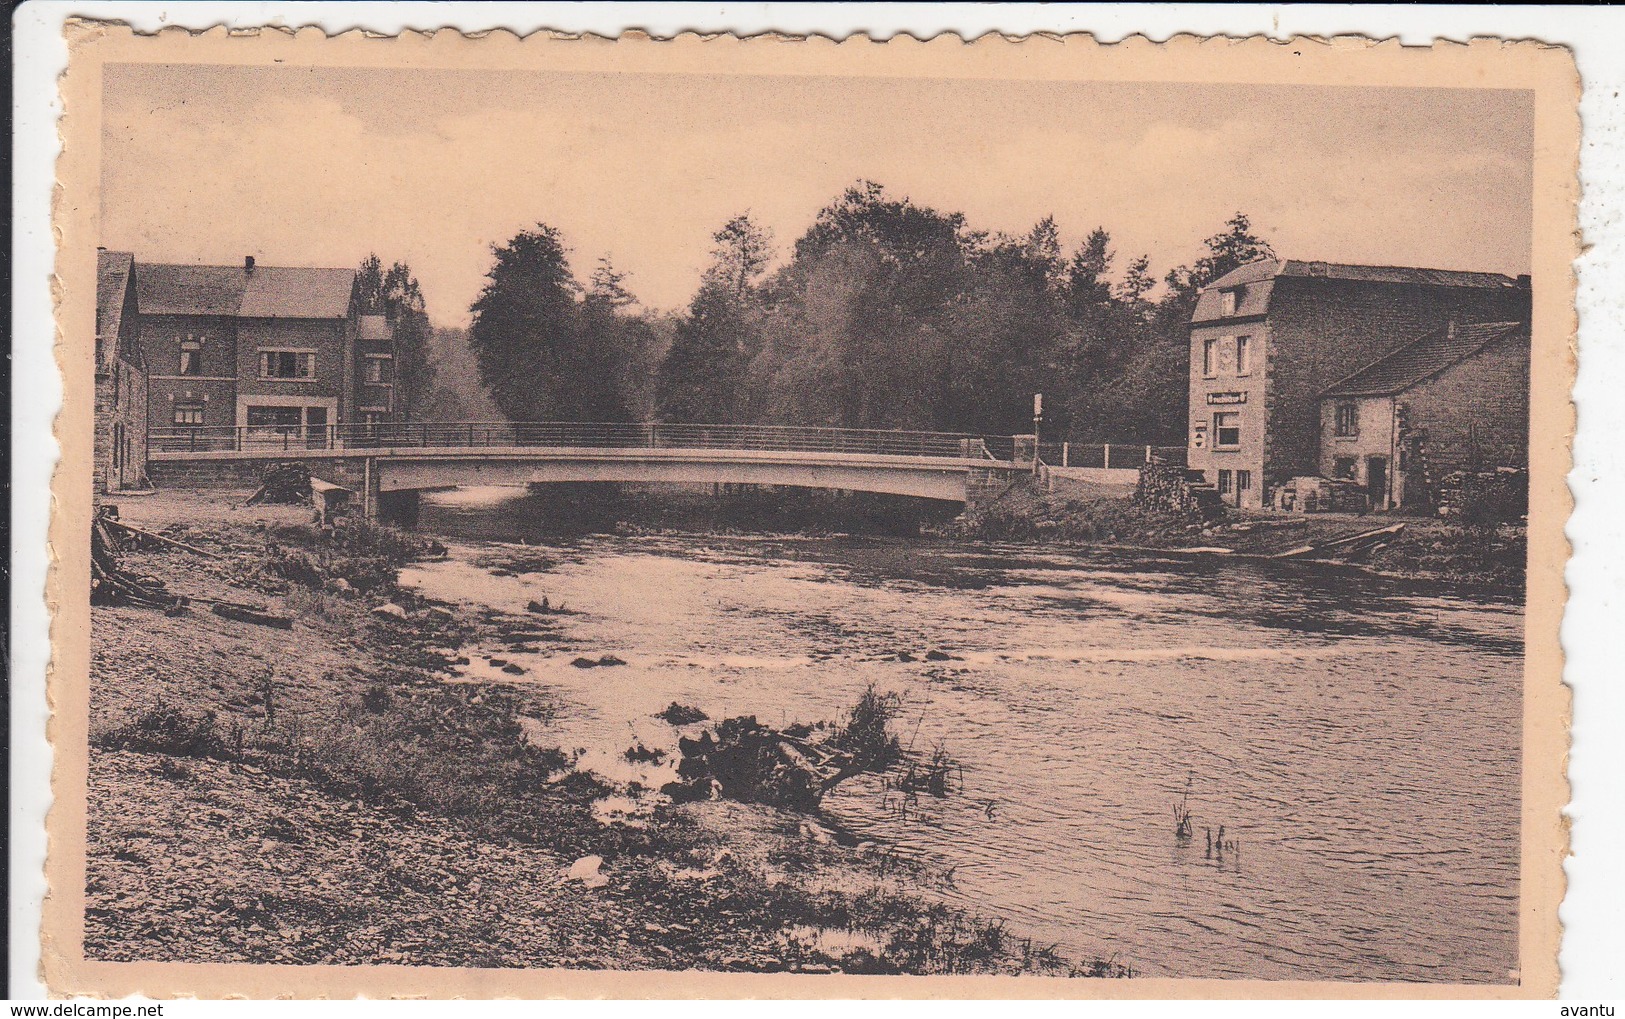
pixel 375 370
pixel 1455 399
pixel 121 377
pixel 268 349
pixel 1269 337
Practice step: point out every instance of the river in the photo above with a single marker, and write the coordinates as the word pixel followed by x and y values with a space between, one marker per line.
pixel 1356 736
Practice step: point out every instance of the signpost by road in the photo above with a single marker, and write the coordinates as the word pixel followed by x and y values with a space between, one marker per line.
pixel 1038 417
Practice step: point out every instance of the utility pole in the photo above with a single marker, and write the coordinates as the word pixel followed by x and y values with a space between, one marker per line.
pixel 1038 418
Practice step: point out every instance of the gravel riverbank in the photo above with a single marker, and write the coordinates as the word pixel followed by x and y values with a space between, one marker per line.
pixel 1079 513
pixel 323 795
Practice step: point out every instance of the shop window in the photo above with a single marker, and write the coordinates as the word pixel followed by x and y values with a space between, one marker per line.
pixel 188 415
pixel 287 364
pixel 1227 429
pixel 275 417
pixel 191 357
pixel 1344 468
pixel 1348 419
pixel 1226 482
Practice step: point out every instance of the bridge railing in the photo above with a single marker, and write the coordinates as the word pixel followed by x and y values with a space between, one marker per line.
pixel 565 434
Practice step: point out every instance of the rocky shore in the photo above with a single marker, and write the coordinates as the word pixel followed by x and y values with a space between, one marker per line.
pixel 323 795
pixel 1074 513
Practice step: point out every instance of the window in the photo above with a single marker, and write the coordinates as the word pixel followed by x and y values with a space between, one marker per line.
pixel 189 415
pixel 1229 300
pixel 376 369
pixel 1225 482
pixel 287 364
pixel 1244 480
pixel 1244 363
pixel 275 417
pixel 191 357
pixel 1348 419
pixel 1344 467
pixel 1210 350
pixel 1227 429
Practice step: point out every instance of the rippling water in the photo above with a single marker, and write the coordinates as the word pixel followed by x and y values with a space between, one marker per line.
pixel 1359 737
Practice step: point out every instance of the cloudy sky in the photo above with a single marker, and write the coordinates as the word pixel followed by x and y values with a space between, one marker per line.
pixel 307 166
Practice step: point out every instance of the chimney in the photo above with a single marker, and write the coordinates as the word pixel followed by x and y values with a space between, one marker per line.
pixel 1524 281
pixel 248 265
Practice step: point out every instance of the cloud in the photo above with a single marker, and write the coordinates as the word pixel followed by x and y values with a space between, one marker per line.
pixel 316 175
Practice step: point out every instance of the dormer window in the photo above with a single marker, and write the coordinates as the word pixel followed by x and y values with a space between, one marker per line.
pixel 1229 301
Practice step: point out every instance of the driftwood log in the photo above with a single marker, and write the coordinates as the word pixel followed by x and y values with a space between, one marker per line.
pixel 125 531
pixel 112 584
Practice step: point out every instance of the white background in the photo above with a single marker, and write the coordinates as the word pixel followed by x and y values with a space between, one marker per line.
pixel 1594 911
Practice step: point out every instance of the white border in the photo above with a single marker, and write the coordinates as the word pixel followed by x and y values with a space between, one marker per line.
pixel 1594 942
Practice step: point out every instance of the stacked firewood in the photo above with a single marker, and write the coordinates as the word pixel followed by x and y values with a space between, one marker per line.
pixel 283 483
pixel 1166 488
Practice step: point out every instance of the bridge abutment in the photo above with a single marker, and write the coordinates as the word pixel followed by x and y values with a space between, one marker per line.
pixel 399 508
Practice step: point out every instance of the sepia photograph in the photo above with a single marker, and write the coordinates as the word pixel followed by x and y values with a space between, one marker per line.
pixel 674 508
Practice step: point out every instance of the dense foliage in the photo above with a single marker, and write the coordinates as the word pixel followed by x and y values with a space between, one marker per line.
pixel 887 314
pixel 551 348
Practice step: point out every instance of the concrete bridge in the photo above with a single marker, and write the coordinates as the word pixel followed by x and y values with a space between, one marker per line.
pixel 390 464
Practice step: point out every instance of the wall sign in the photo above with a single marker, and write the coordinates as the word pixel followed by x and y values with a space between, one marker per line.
pixel 1225 399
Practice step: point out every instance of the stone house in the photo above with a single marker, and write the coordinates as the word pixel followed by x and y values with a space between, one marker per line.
pixel 268 350
pixel 1455 399
pixel 1269 337
pixel 120 453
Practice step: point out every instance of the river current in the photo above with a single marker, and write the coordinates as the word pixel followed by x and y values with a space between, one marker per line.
pixel 1357 737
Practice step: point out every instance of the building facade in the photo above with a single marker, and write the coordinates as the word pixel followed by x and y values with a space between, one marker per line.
pixel 271 350
pixel 1269 337
pixel 374 390
pixel 1456 399
pixel 120 455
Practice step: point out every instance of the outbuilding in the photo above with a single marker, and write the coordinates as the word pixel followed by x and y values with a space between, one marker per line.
pixel 1454 400
pixel 121 377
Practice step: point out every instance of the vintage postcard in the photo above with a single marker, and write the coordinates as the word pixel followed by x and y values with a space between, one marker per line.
pixel 775 517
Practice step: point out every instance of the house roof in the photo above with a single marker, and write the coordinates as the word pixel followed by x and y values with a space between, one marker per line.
pixel 269 291
pixel 1258 280
pixel 1424 358
pixel 113 270
pixel 1274 268
pixel 374 327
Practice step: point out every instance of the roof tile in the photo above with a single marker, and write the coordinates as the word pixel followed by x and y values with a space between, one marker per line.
pixel 1424 358
pixel 269 291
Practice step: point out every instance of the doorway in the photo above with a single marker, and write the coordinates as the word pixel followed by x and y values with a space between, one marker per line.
pixel 1376 481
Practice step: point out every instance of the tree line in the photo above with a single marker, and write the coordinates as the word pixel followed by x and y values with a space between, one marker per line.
pixel 886 314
